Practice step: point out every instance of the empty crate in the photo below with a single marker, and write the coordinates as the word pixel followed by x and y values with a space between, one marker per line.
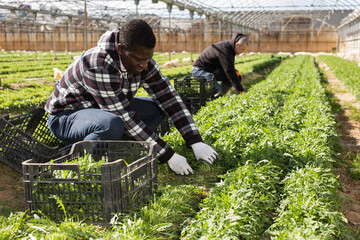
pixel 28 136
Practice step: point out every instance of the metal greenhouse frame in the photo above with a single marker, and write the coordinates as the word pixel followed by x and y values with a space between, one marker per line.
pixel 183 25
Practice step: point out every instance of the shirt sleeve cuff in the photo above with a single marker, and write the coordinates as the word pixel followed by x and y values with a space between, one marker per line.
pixel 190 140
pixel 166 156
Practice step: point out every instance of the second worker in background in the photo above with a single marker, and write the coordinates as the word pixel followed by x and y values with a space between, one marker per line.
pixel 217 62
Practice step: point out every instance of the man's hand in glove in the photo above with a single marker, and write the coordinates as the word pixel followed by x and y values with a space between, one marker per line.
pixel 204 152
pixel 240 79
pixel 179 165
pixel 239 75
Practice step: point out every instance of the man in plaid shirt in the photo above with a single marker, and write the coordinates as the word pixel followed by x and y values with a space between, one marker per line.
pixel 94 99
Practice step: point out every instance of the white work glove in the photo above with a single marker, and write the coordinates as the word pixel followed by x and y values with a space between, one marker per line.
pixel 205 152
pixel 179 165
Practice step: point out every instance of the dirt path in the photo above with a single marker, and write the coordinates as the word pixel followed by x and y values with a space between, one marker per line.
pixel 12 195
pixel 349 131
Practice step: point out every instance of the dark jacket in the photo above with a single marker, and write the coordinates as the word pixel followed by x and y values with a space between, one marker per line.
pixel 219 59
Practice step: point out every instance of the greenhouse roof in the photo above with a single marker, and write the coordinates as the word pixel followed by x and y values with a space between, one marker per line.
pixel 261 15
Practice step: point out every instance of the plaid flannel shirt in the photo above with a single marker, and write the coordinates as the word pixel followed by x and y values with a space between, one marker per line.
pixel 97 79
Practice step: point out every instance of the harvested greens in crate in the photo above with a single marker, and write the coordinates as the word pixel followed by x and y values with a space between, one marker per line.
pixel 94 181
pixel 194 91
pixel 194 87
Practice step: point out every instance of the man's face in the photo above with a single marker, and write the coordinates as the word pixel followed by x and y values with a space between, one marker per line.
pixel 240 48
pixel 136 60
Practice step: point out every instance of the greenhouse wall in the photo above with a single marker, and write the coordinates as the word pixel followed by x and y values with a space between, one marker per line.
pixel 349 37
pixel 193 39
pixel 296 42
pixel 297 34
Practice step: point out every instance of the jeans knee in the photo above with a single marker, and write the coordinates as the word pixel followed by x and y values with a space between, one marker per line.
pixel 113 129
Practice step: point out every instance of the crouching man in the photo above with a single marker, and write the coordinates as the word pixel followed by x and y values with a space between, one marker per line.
pixel 95 98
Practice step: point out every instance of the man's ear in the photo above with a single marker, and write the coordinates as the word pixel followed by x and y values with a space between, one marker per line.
pixel 121 48
pixel 238 43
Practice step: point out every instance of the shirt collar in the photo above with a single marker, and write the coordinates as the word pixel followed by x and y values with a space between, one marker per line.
pixel 122 68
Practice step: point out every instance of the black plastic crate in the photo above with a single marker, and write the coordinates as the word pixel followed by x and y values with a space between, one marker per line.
pixel 194 87
pixel 194 104
pixel 195 92
pixel 124 181
pixel 165 126
pixel 28 136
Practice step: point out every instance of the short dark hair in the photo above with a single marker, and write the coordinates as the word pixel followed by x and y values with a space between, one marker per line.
pixel 137 32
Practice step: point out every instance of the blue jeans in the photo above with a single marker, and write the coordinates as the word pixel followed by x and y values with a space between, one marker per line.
pixel 95 124
pixel 197 72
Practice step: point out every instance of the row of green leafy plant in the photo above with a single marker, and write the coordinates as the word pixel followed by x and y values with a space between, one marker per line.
pixel 184 200
pixel 14 67
pixel 346 71
pixel 162 58
pixel 160 219
pixel 29 94
pixel 24 69
pixel 258 64
pixel 279 139
pixel 245 65
pixel 277 144
pixel 26 56
pixel 24 99
pixel 20 70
